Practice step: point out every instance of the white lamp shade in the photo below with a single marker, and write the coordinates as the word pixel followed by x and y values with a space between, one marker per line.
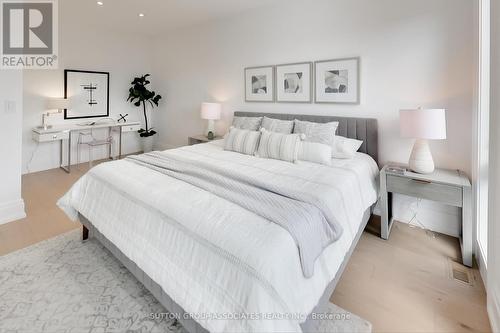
pixel 210 111
pixel 57 103
pixel 429 124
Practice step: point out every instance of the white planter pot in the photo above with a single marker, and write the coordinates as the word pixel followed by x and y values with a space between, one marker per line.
pixel 147 144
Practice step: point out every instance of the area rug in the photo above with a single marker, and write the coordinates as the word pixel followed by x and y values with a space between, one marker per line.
pixel 66 285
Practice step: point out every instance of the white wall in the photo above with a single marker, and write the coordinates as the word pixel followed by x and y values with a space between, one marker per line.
pixel 413 53
pixel 87 48
pixel 493 287
pixel 11 107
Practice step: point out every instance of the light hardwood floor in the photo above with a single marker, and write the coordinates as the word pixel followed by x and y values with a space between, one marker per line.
pixel 400 285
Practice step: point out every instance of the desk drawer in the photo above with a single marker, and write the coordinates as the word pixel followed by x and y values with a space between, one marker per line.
pixel 131 128
pixel 47 137
pixel 447 194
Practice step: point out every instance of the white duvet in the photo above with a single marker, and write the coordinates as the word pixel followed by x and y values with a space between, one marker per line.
pixel 232 269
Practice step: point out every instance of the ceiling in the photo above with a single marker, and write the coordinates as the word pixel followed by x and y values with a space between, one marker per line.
pixel 160 16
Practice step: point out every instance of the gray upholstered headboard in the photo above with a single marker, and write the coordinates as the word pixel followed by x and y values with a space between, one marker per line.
pixel 365 129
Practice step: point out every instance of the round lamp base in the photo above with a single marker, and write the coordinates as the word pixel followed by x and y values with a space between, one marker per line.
pixel 421 158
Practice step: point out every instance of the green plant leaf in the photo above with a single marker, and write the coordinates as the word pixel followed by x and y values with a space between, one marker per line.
pixel 139 95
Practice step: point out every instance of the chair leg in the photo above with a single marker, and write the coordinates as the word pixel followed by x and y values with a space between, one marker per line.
pixel 91 158
pixel 78 153
pixel 111 149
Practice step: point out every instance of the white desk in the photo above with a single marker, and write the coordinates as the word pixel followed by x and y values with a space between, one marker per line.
pixel 63 133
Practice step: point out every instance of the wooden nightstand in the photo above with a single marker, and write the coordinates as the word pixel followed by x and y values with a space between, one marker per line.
pixel 196 139
pixel 450 187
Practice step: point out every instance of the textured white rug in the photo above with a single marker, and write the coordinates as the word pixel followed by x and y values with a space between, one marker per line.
pixel 66 285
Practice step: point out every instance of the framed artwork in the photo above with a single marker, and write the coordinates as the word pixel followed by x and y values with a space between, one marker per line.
pixel 88 93
pixel 337 81
pixel 293 82
pixel 259 84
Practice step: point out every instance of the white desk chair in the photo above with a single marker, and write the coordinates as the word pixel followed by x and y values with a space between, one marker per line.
pixel 87 138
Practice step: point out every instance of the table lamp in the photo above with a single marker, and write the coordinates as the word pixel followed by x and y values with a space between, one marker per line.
pixel 422 125
pixel 210 112
pixel 58 104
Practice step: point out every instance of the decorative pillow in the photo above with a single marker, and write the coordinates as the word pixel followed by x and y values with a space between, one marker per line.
pixel 277 125
pixel 279 146
pixel 317 132
pixel 247 123
pixel 242 141
pixel 315 152
pixel 344 147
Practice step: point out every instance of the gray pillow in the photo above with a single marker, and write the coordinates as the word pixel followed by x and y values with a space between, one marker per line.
pixel 247 123
pixel 242 141
pixel 317 132
pixel 279 146
pixel 277 125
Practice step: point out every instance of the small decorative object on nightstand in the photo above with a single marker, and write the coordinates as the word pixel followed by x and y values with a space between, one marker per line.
pixel 210 112
pixel 450 187
pixel 423 125
pixel 194 140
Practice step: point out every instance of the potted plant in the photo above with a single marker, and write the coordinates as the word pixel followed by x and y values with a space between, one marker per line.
pixel 140 95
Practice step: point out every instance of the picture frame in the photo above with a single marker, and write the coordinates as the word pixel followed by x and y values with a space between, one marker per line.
pixel 294 82
pixel 337 81
pixel 88 92
pixel 259 84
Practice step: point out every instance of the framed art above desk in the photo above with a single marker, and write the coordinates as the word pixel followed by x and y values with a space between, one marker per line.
pixel 88 92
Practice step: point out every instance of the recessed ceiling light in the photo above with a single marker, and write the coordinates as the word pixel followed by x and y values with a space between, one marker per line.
pixel 100 3
pixel 141 15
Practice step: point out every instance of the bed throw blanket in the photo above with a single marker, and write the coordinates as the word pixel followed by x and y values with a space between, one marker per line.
pixel 310 223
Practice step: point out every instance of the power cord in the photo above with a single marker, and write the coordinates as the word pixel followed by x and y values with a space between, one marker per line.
pixel 32 157
pixel 414 222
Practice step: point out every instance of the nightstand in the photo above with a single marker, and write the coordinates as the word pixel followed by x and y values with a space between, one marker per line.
pixel 196 139
pixel 450 187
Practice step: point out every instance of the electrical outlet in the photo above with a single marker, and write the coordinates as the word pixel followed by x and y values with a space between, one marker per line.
pixel 10 107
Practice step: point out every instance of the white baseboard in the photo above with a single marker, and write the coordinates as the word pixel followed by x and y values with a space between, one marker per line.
pixel 11 211
pixel 494 309
pixel 478 254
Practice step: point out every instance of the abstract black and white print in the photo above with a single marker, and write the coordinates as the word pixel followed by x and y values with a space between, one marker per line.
pixel 336 81
pixel 293 83
pixel 88 92
pixel 259 84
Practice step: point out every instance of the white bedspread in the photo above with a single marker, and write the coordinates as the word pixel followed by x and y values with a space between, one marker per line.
pixel 212 257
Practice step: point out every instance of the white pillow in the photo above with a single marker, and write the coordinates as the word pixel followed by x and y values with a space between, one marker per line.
pixel 317 132
pixel 242 141
pixel 315 152
pixel 277 125
pixel 279 146
pixel 344 147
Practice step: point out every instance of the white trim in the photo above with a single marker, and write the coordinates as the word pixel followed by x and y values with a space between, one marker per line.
pixel 494 310
pixel 479 254
pixel 11 211
pixel 481 135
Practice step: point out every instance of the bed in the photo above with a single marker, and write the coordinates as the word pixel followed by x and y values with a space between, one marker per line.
pixel 216 265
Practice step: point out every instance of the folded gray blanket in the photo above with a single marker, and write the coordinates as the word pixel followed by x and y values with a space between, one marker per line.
pixel 307 220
